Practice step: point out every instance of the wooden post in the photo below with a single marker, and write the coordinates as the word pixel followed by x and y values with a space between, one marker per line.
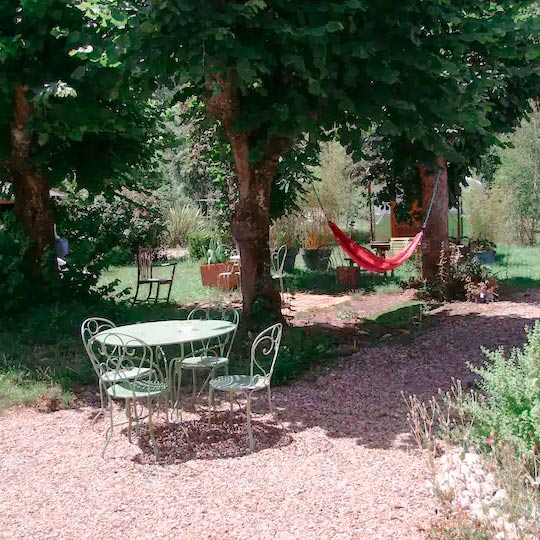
pixel 436 233
pixel 371 218
pixel 459 224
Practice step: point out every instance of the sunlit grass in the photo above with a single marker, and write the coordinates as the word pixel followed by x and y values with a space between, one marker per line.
pixel 517 267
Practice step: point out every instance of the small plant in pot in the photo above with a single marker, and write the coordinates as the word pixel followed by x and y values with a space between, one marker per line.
pixel 316 251
pixel 217 257
pixel 286 231
pixel 483 250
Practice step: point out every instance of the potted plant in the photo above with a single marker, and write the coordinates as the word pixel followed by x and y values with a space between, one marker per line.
pixel 216 264
pixel 316 251
pixel 484 250
pixel 285 231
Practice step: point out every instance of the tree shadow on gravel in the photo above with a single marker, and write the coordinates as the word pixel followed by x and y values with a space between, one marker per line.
pixel 217 441
pixel 362 398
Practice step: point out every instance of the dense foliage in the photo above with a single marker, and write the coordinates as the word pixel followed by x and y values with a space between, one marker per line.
pixel 508 406
pixel 89 115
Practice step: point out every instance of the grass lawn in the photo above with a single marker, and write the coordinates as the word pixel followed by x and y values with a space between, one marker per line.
pixel 517 267
pixel 187 287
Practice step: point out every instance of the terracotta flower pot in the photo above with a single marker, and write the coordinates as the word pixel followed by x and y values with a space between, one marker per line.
pixel 348 276
pixel 210 273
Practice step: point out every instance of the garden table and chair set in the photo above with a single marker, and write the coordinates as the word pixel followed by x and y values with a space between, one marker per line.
pixel 131 366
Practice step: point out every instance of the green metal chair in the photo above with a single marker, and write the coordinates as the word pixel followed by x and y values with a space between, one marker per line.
pixel 132 374
pixel 264 350
pixel 277 260
pixel 212 354
pixel 89 328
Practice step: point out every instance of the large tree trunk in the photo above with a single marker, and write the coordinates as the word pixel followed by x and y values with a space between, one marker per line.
pixel 32 203
pixel 251 227
pixel 250 221
pixel 436 234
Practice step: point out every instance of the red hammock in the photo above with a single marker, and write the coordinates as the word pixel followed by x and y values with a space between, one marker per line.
pixel 366 259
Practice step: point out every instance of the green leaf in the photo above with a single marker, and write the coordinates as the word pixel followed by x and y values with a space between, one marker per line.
pixel 334 26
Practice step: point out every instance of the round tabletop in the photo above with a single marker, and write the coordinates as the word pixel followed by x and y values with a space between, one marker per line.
pixel 159 333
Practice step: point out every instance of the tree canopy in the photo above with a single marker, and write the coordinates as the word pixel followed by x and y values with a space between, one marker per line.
pixel 428 79
pixel 90 113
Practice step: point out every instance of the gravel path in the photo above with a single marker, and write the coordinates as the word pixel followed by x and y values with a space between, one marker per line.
pixel 338 464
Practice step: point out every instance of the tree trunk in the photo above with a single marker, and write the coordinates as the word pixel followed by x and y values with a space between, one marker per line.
pixel 251 229
pixel 436 233
pixel 250 221
pixel 32 203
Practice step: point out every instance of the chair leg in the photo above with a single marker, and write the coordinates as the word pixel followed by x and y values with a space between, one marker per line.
pixel 151 430
pixel 270 399
pixel 157 293
pixel 109 433
pixel 169 293
pixel 136 414
pixel 248 414
pixel 136 293
pixel 102 402
pixel 129 418
pixel 194 388
pixel 211 406
pixel 231 402
pixel 149 291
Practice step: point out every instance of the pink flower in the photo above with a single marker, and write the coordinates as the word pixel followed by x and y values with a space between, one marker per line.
pixel 490 467
pixel 490 440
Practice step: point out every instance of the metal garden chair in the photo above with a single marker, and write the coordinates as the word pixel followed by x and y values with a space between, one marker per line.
pixel 212 354
pixel 89 328
pixel 133 375
pixel 145 275
pixel 277 260
pixel 264 350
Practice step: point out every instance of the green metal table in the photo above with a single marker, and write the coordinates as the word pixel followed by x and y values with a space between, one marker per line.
pixel 174 332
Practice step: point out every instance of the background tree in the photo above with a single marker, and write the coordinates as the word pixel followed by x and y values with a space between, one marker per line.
pixel 68 106
pixel 275 72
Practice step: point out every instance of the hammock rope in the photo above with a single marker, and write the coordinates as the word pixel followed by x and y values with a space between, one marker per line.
pixel 364 257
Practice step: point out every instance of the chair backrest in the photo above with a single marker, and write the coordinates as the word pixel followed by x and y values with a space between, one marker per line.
pixel 398 244
pixel 264 350
pixel 144 263
pixel 277 259
pixel 117 354
pixel 219 311
pixel 92 326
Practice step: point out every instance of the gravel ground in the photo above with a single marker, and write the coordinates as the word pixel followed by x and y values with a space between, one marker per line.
pixel 337 464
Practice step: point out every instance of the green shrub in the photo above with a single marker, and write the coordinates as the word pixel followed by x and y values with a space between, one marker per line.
pixel 460 277
pixel 217 253
pixel 107 231
pixel 199 244
pixel 181 222
pixel 508 406
pixel 16 271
